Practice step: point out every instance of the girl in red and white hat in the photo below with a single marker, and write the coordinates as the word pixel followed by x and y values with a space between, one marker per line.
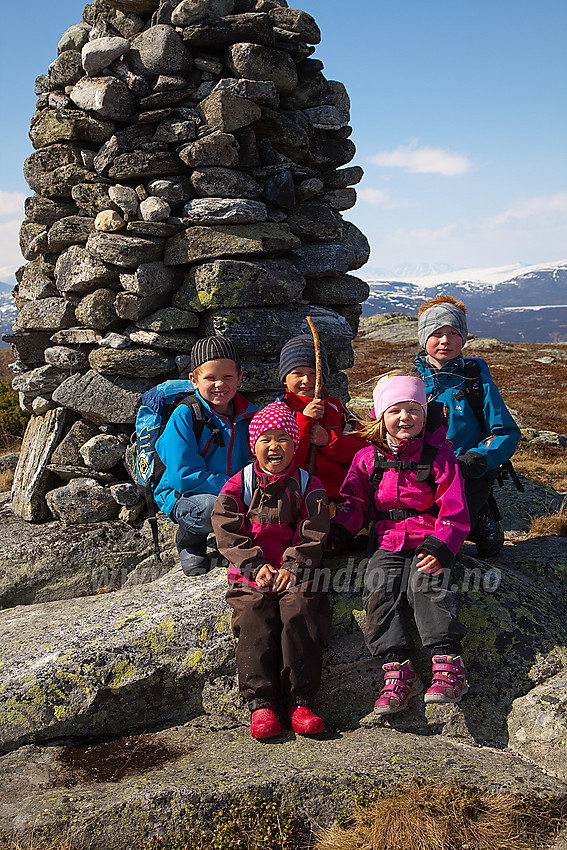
pixel 270 522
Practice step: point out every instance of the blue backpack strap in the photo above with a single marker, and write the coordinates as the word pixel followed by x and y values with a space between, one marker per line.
pixel 247 483
pixel 304 479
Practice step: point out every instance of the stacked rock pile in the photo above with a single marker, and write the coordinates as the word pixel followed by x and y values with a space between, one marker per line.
pixel 187 180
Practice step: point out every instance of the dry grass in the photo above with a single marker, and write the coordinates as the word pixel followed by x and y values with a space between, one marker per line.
pixel 546 465
pixel 438 817
pixel 6 480
pixel 550 525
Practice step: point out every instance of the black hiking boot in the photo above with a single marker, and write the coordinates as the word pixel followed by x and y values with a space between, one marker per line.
pixel 488 536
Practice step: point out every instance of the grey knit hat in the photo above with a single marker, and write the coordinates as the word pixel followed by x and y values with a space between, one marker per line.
pixel 437 316
pixel 300 351
pixel 213 348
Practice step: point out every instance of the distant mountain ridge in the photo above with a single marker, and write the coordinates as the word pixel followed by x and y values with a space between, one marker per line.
pixel 529 306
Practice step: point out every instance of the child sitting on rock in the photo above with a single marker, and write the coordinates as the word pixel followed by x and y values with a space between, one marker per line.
pixel 407 483
pixel 270 522
pixel 323 424
pixel 196 468
pixel 482 438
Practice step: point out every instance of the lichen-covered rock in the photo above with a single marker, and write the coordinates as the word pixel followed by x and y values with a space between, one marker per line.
pixel 204 243
pixel 69 124
pixel 537 726
pixel 47 314
pixel 225 210
pixel 82 500
pixel 123 250
pixel 159 50
pixel 130 362
pixel 231 283
pixel 100 398
pixel 31 475
pixel 257 62
pixel 102 452
pixel 96 310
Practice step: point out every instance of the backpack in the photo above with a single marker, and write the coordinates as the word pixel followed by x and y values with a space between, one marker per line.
pixel 248 482
pixel 153 415
pixel 473 391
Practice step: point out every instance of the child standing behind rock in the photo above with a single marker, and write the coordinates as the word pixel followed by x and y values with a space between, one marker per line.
pixel 483 438
pixel 270 522
pixel 323 424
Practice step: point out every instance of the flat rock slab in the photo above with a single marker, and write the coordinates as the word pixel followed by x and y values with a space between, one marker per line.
pixel 46 791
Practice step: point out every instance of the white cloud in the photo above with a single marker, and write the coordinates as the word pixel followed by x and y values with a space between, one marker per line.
pixel 531 208
pixel 423 160
pixel 12 203
pixel 10 256
pixel 424 235
pixel 377 197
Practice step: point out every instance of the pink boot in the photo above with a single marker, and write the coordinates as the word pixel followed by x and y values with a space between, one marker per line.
pixel 401 682
pixel 449 679
pixel 265 723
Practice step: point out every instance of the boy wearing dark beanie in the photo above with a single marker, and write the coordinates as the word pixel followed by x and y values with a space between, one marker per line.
pixel 481 440
pixel 322 423
pixel 197 466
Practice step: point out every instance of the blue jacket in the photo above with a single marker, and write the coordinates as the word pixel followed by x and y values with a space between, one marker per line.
pixel 446 385
pixel 202 467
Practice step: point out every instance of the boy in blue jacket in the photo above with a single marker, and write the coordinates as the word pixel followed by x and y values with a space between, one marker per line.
pixel 480 448
pixel 196 469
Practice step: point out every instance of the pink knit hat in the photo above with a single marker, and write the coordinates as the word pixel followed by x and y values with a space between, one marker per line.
pixel 275 415
pixel 393 389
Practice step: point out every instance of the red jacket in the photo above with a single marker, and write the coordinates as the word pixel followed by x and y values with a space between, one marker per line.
pixel 334 459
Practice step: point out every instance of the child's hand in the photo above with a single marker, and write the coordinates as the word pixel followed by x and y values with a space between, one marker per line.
pixel 318 435
pixel 427 563
pixel 284 580
pixel 315 409
pixel 265 576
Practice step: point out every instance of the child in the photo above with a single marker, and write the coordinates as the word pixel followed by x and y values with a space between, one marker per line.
pixel 273 539
pixel 195 470
pixel 481 444
pixel 420 521
pixel 322 424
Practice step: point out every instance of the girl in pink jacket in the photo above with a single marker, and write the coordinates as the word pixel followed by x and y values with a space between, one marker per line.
pixel 408 484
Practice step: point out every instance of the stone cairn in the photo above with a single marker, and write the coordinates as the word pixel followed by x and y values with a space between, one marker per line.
pixel 187 181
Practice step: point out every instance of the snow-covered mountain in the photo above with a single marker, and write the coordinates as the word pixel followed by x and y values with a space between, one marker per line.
pixel 513 303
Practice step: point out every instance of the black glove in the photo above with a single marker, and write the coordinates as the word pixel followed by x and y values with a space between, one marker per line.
pixel 472 465
pixel 338 540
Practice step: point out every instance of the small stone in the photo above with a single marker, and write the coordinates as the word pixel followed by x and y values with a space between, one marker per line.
pixel 124 197
pixel 74 38
pixel 125 493
pixel 154 209
pixel 96 310
pixel 114 340
pixel 216 149
pixel 41 404
pixel 98 54
pixel 109 221
pixel 62 357
pixel 102 452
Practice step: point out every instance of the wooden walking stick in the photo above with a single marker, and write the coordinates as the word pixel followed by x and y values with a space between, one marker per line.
pixel 312 454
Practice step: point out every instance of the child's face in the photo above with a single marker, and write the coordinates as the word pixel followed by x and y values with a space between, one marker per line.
pixel 217 382
pixel 274 450
pixel 404 420
pixel 301 381
pixel 443 344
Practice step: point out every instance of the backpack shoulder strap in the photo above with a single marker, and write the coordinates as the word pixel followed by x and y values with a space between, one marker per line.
pixel 247 483
pixel 474 392
pixel 201 418
pixel 304 479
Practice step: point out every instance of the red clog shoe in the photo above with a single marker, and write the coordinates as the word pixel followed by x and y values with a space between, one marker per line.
pixel 304 721
pixel 264 723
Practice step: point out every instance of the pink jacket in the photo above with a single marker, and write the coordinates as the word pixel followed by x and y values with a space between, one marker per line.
pixel 440 535
pixel 281 526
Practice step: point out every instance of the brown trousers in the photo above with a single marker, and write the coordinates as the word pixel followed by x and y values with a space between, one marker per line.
pixel 279 654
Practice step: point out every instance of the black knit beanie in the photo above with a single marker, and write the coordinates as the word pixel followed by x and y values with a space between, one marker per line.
pixel 300 351
pixel 213 348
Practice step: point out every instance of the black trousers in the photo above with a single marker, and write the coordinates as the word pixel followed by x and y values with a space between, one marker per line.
pixel 279 654
pixel 393 590
pixel 477 492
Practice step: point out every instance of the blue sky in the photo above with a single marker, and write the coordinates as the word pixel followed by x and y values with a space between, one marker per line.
pixel 458 115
